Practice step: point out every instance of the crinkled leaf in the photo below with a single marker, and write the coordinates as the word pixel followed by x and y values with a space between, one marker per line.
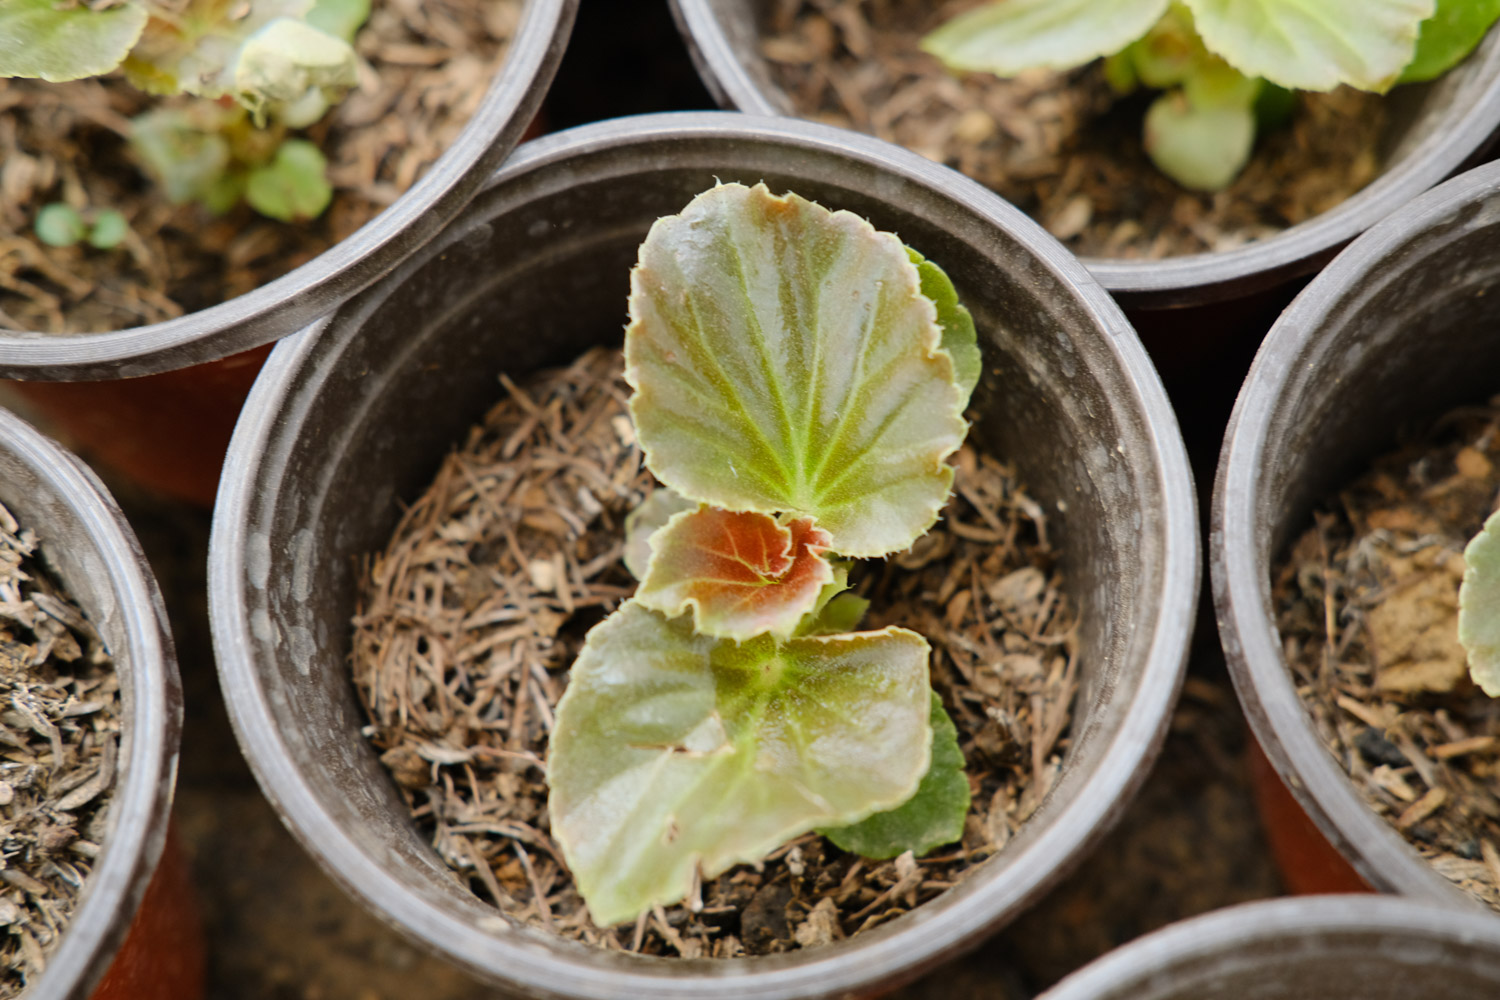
pixel 56 42
pixel 674 751
pixel 1203 149
pixel 340 18
pixel 642 523
pixel 59 225
pixel 929 819
pixel 185 150
pixel 1009 36
pixel 1314 44
pixel 198 51
pixel 784 360
pixel 740 573
pixel 289 62
pixel 960 339
pixel 1479 607
pixel 292 186
pixel 1448 35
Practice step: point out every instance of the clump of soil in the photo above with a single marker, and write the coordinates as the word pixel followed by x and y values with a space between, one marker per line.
pixel 428 64
pixel 59 744
pixel 1059 145
pixel 1367 604
pixel 474 613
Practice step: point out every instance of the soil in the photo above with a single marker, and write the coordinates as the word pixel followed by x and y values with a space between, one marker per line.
pixel 427 66
pixel 1367 604
pixel 472 616
pixel 1059 145
pixel 59 743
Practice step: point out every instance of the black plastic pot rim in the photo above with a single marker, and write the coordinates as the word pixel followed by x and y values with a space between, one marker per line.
pixel 1193 279
pixel 932 932
pixel 147 772
pixel 1241 586
pixel 319 286
pixel 1304 920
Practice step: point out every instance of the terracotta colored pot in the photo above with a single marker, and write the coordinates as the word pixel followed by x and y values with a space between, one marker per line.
pixel 96 557
pixel 353 416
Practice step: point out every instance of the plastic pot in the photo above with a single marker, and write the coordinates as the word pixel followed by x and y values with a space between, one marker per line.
pixel 352 416
pixel 86 542
pixel 169 431
pixel 1328 948
pixel 1434 130
pixel 1397 330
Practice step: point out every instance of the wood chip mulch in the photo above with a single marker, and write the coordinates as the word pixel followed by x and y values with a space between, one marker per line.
pixel 1367 604
pixel 472 616
pixel 59 746
pixel 1060 146
pixel 427 66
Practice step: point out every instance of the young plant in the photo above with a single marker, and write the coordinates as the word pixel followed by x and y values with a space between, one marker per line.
pixel 799 381
pixel 1224 66
pixel 262 67
pixel 59 224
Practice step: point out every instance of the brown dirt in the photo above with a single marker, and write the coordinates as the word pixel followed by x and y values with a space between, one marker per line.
pixel 1367 603
pixel 474 613
pixel 429 64
pixel 1060 146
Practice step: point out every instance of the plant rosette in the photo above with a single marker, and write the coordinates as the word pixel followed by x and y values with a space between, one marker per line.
pixel 1060 367
pixel 1360 688
pixel 1056 137
pixel 100 721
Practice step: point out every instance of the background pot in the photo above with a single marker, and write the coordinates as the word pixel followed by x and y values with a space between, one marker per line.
pixel 354 415
pixel 86 542
pixel 1434 130
pixel 1397 330
pixel 1332 948
pixel 169 431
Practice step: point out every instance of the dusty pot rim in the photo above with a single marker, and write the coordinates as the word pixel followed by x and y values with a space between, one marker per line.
pixel 1193 279
pixel 936 929
pixel 1302 920
pixel 153 712
pixel 299 297
pixel 1297 343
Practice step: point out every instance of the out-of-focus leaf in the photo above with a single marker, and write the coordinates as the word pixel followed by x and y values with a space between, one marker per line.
pixel 1169 52
pixel 1479 607
pixel 1009 36
pixel 59 225
pixel 1203 149
pixel 741 574
pixel 934 816
pixel 674 751
pixel 57 42
pixel 784 361
pixel 184 149
pixel 108 230
pixel 1448 35
pixel 642 523
pixel 340 18
pixel 1314 44
pixel 198 50
pixel 289 62
pixel 293 186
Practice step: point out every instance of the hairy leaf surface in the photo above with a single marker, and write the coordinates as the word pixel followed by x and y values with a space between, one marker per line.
pixel 960 339
pixel 56 42
pixel 785 361
pixel 741 574
pixel 641 525
pixel 675 751
pixel 1009 36
pixel 1448 35
pixel 1479 607
pixel 1314 44
pixel 929 819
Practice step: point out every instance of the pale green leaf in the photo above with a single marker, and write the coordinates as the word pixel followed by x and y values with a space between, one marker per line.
pixel 109 229
pixel 59 225
pixel 934 816
pixel 836 611
pixel 292 186
pixel 1168 53
pixel 674 751
pixel 340 18
pixel 289 62
pixel 198 52
pixel 1202 149
pixel 784 361
pixel 1314 44
pixel 1448 35
pixel 642 523
pixel 960 339
pixel 56 42
pixel 184 148
pixel 1009 36
pixel 1216 84
pixel 741 574
pixel 1479 607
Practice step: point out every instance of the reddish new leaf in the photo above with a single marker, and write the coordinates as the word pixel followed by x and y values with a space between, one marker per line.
pixel 742 573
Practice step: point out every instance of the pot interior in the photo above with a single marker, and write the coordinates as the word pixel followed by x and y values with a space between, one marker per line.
pixel 353 418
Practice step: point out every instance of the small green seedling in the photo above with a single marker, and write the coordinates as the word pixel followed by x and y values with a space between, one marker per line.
pixel 1479 606
pixel 61 225
pixel 1225 67
pixel 262 68
pixel 799 382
